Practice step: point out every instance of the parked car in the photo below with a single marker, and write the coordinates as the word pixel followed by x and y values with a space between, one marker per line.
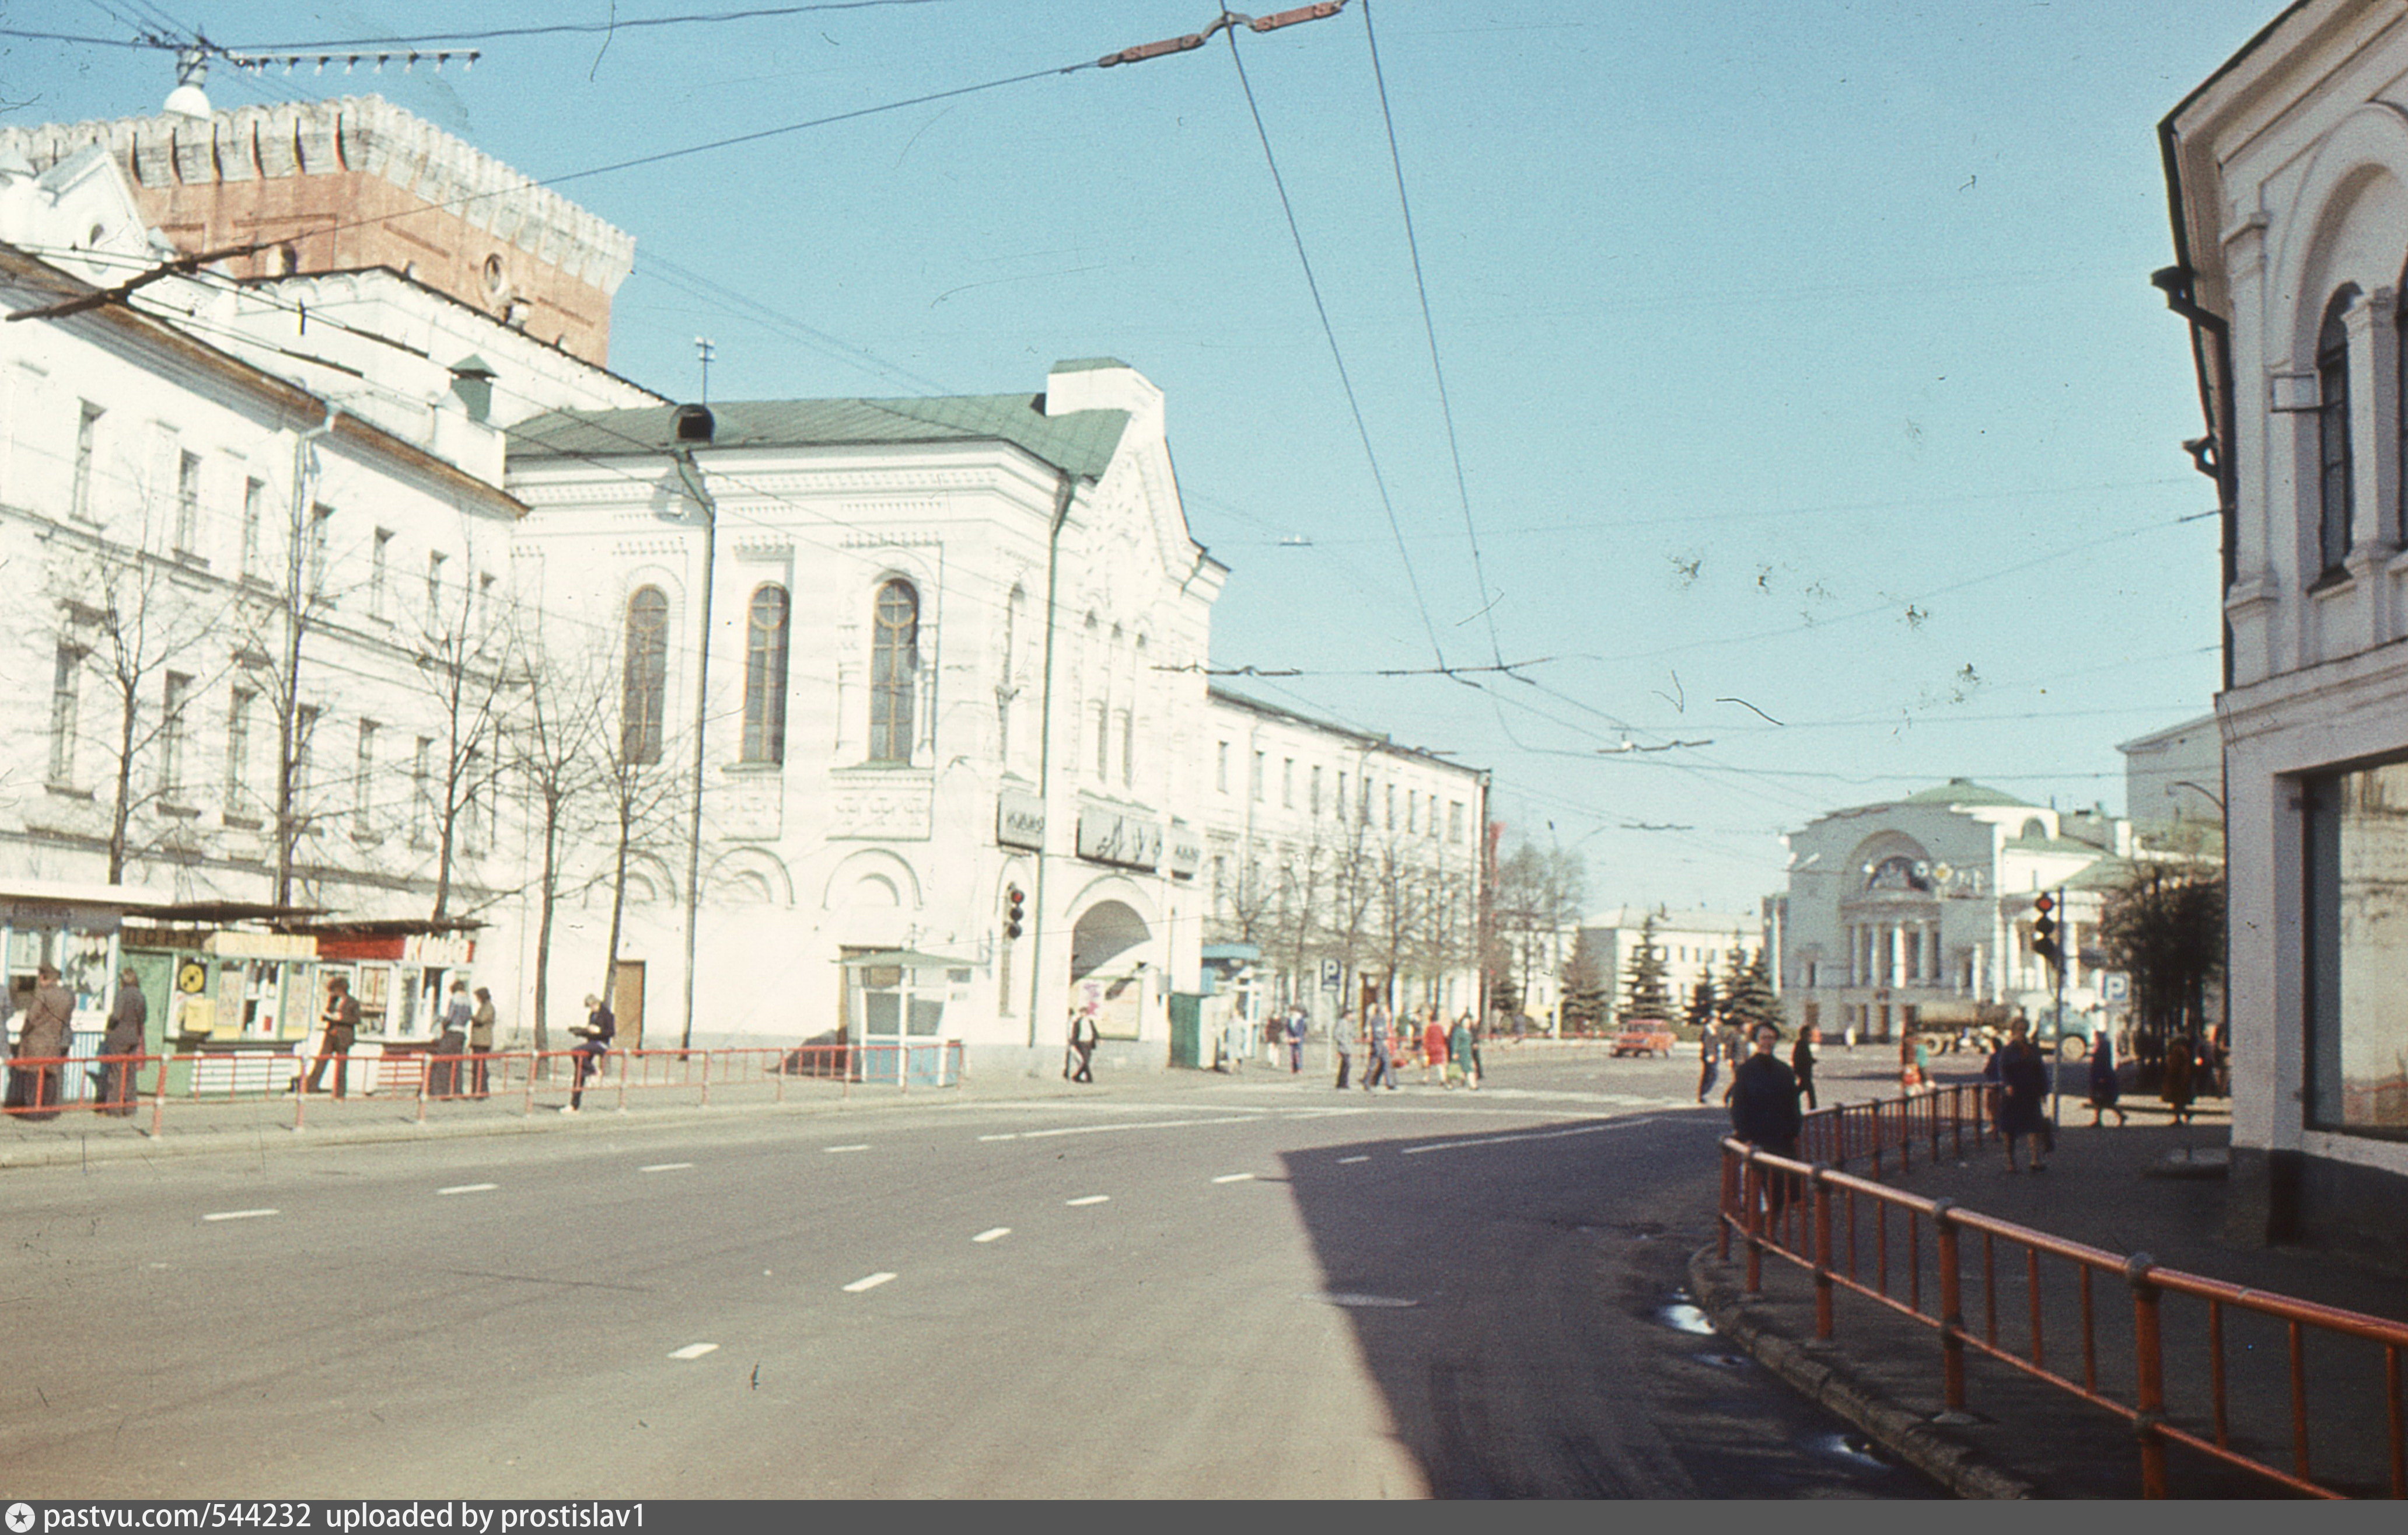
pixel 1645 1036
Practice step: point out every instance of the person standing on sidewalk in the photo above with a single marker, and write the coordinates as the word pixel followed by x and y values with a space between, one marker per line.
pixel 1383 1065
pixel 1802 1063
pixel 1433 1047
pixel 342 1025
pixel 1458 1051
pixel 127 1018
pixel 1296 1032
pixel 600 1027
pixel 1764 1110
pixel 1341 1039
pixel 481 1042
pixel 49 1020
pixel 2182 1056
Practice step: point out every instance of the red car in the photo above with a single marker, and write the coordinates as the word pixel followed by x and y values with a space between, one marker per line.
pixel 1645 1036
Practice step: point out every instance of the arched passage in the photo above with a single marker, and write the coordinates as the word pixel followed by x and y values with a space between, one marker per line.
pixel 1107 930
pixel 1107 970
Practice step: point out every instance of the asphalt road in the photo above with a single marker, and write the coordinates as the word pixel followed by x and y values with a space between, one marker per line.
pixel 1182 1288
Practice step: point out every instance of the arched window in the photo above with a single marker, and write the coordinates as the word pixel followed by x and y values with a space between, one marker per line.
pixel 2332 435
pixel 764 677
pixel 644 697
pixel 894 671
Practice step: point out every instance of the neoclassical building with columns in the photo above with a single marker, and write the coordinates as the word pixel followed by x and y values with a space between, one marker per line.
pixel 2288 171
pixel 1920 911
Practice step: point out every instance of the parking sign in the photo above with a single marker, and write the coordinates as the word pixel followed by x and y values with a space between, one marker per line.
pixel 1329 975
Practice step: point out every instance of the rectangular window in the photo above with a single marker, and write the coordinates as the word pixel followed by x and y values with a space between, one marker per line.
pixel 1316 798
pixel 1258 784
pixel 322 524
pixel 364 782
pixel 188 501
pixel 1413 811
pixel 434 592
pixel 472 805
pixel 1388 794
pixel 2357 936
pixel 379 557
pixel 1455 820
pixel 1221 766
pixel 1341 796
pixel 66 709
pixel 1103 740
pixel 254 509
pixel 305 727
pixel 237 761
pixel 422 791
pixel 484 625
pixel 1287 783
pixel 1129 748
pixel 173 696
pixel 86 443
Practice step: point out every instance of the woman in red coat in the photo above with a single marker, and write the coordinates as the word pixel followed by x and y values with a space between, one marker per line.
pixel 1433 1046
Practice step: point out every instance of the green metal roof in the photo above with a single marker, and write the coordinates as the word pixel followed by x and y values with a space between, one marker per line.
pixel 1081 443
pixel 1086 364
pixel 1964 791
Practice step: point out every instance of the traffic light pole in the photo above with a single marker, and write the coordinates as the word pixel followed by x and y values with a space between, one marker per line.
pixel 2056 1051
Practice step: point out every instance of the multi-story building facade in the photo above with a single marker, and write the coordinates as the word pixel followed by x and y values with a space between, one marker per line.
pixel 2289 175
pixel 1920 910
pixel 954 649
pixel 1694 946
pixel 1352 862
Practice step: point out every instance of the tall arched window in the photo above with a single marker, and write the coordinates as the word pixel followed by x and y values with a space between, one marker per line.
pixel 644 697
pixel 2333 496
pixel 894 671
pixel 764 677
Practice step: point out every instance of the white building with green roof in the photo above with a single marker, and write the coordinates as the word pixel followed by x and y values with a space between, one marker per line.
pixel 1917 912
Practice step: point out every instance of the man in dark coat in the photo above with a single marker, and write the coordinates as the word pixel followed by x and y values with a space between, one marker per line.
pixel 341 1019
pixel 601 1027
pixel 127 1018
pixel 2019 1096
pixel 1801 1062
pixel 41 1042
pixel 1764 1110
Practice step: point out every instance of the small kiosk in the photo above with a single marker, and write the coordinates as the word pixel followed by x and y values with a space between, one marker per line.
pixel 400 970
pixel 76 927
pixel 897 1007
pixel 225 991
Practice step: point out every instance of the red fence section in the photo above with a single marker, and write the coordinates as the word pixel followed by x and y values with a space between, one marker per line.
pixel 1911 1254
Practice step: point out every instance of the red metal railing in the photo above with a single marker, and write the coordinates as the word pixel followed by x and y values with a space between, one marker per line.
pixel 1913 1261
pixel 124 1083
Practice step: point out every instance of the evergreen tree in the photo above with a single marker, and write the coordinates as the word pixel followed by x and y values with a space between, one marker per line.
pixel 1644 996
pixel 1586 998
pixel 1751 999
pixel 1704 1001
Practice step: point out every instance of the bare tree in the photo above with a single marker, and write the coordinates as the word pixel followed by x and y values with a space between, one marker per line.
pixel 558 749
pixel 464 669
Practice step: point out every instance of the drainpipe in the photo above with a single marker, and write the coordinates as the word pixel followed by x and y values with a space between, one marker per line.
pixel 689 474
pixel 288 717
pixel 1064 488
pixel 2213 364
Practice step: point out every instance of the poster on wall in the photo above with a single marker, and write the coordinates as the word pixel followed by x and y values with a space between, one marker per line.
pixel 1117 1002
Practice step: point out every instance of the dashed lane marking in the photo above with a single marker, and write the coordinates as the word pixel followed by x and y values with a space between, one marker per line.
pixel 1144 1125
pixel 867 1281
pixel 1088 1199
pixel 1343 1160
pixel 1235 1178
pixel 469 1188
pixel 1533 1135
pixel 833 1149
pixel 992 1233
pixel 240 1214
pixel 665 1167
pixel 693 1350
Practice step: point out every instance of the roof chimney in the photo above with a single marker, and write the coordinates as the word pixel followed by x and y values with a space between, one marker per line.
pixel 694 423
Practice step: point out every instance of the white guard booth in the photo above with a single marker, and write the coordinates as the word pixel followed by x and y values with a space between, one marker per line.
pixel 903 1010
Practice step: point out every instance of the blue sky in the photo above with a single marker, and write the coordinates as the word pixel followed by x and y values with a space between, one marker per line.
pixel 1802 355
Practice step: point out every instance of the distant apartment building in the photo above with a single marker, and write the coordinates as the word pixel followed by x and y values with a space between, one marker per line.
pixel 1694 946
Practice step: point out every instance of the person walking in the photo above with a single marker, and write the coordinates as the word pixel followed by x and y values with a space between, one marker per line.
pixel 127 1018
pixel 2105 1088
pixel 1764 1110
pixel 1296 1032
pixel 1458 1052
pixel 1476 1028
pixel 1341 1041
pixel 1082 1044
pixel 341 1018
pixel 593 1039
pixel 480 1043
pixel 1802 1063
pixel 41 1045
pixel 2182 1059
pixel 1433 1047
pixel 1710 1059
pixel 2019 1096
pixel 1383 1062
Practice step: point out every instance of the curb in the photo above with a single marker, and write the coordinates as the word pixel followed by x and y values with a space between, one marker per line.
pixel 1904 1434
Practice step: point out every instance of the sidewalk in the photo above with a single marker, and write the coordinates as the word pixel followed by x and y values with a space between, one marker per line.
pixel 2149 1187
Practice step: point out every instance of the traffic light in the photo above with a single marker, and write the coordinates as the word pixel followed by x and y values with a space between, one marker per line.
pixel 1015 905
pixel 2044 931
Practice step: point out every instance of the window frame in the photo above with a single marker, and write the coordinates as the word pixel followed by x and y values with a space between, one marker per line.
pixel 766 652
pixel 2336 497
pixel 644 675
pixel 893 672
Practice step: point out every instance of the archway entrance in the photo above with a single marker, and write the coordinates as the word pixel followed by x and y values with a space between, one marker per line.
pixel 1107 964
